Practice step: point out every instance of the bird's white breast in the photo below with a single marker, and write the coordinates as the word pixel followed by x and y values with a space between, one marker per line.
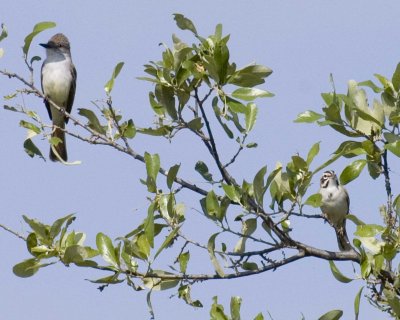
pixel 56 80
pixel 334 204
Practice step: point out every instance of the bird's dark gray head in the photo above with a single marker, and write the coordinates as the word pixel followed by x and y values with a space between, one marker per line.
pixel 57 42
pixel 329 176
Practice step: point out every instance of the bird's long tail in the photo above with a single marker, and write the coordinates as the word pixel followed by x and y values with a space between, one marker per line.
pixel 60 148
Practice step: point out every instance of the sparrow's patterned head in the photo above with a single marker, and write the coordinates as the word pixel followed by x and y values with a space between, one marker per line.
pixel 329 177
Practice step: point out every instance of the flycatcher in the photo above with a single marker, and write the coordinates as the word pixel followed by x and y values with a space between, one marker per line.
pixel 58 85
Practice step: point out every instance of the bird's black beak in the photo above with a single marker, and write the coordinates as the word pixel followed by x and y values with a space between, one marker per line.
pixel 44 45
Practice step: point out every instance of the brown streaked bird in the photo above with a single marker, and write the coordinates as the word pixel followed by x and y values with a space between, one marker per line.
pixel 335 206
pixel 58 85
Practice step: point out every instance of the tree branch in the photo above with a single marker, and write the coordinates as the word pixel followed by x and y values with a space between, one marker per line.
pixel 213 150
pixel 107 141
pixel 13 232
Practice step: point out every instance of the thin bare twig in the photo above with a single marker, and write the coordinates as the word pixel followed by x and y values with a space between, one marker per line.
pixel 13 232
pixel 237 152
pixel 213 149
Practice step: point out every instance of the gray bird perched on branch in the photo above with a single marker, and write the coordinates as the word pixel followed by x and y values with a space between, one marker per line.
pixel 58 84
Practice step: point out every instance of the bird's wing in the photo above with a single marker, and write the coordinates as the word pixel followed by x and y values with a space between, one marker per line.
pixel 71 95
pixel 47 104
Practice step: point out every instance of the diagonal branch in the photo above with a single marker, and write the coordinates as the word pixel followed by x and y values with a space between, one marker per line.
pixel 105 140
pixel 13 232
pixel 213 148
pixel 273 265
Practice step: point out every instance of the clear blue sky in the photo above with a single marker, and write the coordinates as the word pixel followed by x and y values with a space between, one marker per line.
pixel 302 41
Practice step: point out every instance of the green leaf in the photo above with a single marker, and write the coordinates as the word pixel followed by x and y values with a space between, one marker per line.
pixel 211 248
pixel 149 225
pixel 250 116
pixel 29 126
pixel 217 112
pixel 140 247
pixel 10 97
pixel 38 28
pixel 94 122
pixel 41 230
pixel 352 171
pixel 113 279
pixel 312 153
pixel 157 284
pixel 161 131
pixel 314 200
pixel 396 78
pixel 166 97
pixel 393 301
pixel 354 219
pixel 172 172
pixel 184 23
pixel 183 261
pixel 370 84
pixel 212 205
pixel 231 192
pixel 337 274
pixel 157 107
pixel 167 242
pixel 202 168
pixel 212 68
pixel 128 129
pixel 394 148
pixel 4 32
pixel 152 168
pixel 368 230
pixel 74 237
pixel 299 163
pixel 110 83
pixel 308 117
pixel 396 204
pixel 77 254
pixel 249 94
pixel 236 302
pixel 35 58
pixel 26 268
pixel 357 303
pixel 248 228
pixel 32 242
pixel 31 149
pixel 235 106
pixel 335 156
pixel 217 311
pixel 376 115
pixel 56 226
pixel 251 266
pixel 258 185
pixel 332 315
pixel 195 124
pixel 221 58
pixel 252 145
pixel 184 293
pixel 106 248
pixel 250 76
pixel 259 317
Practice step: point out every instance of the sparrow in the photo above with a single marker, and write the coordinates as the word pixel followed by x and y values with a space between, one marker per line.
pixel 335 206
pixel 58 78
